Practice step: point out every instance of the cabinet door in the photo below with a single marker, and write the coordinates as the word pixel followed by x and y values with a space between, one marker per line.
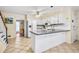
pixel 61 19
pixel 44 42
pixel 54 20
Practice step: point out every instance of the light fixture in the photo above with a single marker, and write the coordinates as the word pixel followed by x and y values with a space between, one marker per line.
pixel 51 6
pixel 37 14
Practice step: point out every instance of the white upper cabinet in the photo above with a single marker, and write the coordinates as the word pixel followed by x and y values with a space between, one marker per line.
pixel 61 18
pixel 53 20
pixel 57 19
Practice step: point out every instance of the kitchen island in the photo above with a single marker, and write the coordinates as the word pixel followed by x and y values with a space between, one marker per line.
pixel 46 39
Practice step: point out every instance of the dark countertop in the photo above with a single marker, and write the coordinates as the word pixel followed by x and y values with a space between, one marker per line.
pixel 48 32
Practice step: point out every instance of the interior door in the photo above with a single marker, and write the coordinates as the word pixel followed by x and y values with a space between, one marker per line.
pixel 21 28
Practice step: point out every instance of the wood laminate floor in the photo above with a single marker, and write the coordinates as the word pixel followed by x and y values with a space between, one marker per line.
pixel 23 45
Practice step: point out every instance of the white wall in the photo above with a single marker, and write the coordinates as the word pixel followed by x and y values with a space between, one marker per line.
pixel 78 24
pixel 12 27
pixel 30 20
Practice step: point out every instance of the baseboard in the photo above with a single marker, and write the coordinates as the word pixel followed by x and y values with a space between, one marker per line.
pixel 11 37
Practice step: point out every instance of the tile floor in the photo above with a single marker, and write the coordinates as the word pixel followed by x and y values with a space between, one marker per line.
pixel 19 45
pixel 65 48
pixel 23 45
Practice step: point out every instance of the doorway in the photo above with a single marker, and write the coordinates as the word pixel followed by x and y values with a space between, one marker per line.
pixel 20 28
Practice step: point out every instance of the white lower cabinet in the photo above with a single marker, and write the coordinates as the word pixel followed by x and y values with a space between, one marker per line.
pixel 43 42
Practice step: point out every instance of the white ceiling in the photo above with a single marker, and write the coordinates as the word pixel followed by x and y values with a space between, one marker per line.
pixel 23 9
pixel 76 8
pixel 30 9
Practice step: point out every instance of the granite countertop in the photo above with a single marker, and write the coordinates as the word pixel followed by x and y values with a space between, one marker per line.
pixel 43 32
